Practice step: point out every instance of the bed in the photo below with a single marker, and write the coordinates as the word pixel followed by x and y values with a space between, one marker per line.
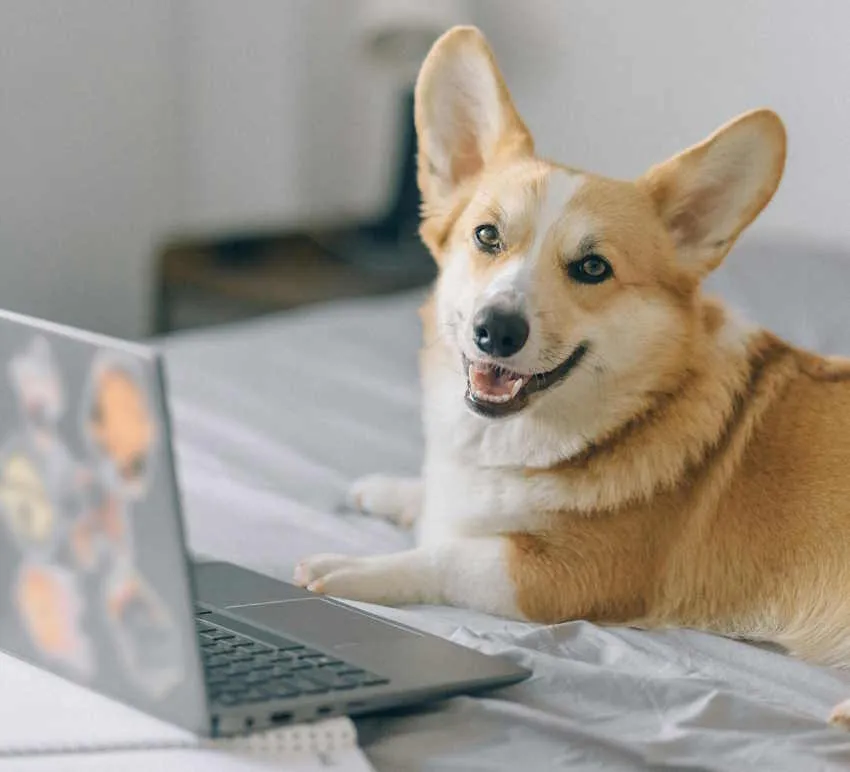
pixel 274 418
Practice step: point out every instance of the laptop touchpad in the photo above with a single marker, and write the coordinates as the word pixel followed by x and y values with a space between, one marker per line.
pixel 324 622
pixel 223 585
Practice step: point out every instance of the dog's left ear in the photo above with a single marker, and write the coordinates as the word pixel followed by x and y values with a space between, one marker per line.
pixel 708 194
pixel 465 121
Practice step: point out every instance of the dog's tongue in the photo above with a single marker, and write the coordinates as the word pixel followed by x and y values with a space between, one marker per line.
pixel 489 382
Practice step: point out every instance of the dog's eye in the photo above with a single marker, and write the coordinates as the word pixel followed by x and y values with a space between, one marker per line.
pixel 487 238
pixel 592 269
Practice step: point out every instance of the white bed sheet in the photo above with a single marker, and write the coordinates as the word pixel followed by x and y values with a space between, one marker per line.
pixel 275 418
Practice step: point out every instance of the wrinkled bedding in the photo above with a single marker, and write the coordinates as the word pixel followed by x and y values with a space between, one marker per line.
pixel 274 418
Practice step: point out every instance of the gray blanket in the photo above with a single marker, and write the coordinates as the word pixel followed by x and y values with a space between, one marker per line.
pixel 275 418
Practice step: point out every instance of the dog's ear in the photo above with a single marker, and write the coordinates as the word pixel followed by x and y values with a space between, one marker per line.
pixel 709 193
pixel 465 120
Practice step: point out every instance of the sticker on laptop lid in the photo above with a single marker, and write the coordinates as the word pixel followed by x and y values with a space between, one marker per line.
pixel 145 634
pixel 118 422
pixel 37 382
pixel 25 504
pixel 50 607
pixel 101 534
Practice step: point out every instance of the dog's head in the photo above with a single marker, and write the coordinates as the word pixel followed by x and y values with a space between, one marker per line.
pixel 552 278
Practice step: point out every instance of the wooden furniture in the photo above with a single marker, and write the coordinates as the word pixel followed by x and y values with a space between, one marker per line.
pixel 201 283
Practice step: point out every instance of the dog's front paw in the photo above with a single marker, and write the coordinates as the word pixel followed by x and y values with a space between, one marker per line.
pixel 355 578
pixel 398 499
pixel 840 715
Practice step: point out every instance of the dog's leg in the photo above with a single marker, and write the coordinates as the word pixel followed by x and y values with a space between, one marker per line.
pixel 398 499
pixel 544 577
pixel 472 573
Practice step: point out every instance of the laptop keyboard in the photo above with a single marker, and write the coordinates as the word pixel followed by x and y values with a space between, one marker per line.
pixel 241 670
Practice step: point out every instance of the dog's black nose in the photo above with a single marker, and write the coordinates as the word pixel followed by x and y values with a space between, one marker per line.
pixel 498 332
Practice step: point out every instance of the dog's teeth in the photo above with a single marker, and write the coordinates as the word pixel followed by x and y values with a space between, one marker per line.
pixel 492 398
pixel 516 387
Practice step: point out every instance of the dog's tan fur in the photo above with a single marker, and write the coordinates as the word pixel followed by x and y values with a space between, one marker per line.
pixel 709 486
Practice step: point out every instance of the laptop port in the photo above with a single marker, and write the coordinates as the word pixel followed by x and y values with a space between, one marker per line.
pixel 324 710
pixel 281 717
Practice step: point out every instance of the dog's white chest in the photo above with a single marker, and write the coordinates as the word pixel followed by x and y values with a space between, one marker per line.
pixel 475 474
pixel 464 499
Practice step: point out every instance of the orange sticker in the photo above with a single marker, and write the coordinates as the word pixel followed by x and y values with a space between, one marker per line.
pixel 50 609
pixel 120 424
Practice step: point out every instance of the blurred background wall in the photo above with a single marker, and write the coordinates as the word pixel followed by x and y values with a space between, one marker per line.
pixel 124 122
pixel 88 157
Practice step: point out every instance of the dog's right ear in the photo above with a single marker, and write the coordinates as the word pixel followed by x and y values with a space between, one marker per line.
pixel 465 121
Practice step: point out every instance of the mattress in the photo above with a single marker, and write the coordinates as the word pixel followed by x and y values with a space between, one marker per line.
pixel 275 418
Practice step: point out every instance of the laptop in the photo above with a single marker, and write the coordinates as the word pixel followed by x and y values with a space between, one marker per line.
pixel 97 586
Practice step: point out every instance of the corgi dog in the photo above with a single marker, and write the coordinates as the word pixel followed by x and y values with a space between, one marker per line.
pixel 603 441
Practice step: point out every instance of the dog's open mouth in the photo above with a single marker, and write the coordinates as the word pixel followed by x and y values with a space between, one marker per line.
pixel 495 392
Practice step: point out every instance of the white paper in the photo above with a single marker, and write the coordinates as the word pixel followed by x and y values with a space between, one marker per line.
pixel 40 709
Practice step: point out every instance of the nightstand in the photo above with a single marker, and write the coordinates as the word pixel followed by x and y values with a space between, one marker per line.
pixel 201 283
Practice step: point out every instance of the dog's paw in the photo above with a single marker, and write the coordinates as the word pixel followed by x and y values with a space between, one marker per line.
pixel 355 578
pixel 840 715
pixel 398 499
